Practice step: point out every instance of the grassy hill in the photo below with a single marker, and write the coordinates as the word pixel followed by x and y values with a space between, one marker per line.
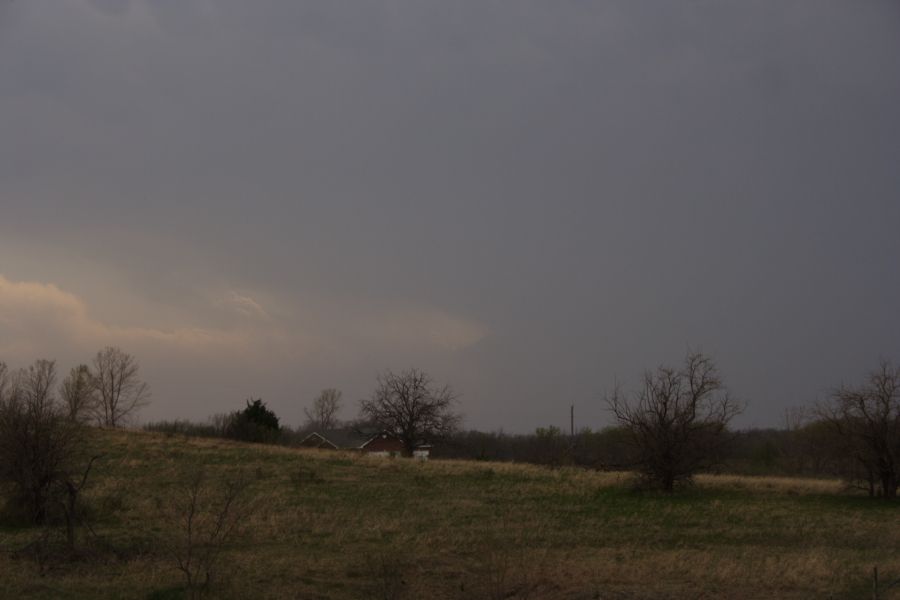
pixel 335 525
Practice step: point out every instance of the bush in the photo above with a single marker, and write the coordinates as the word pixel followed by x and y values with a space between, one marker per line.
pixel 206 517
pixel 37 444
pixel 256 423
pixel 43 456
pixel 678 421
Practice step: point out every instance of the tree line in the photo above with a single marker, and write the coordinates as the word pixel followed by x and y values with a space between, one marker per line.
pixel 675 424
pixel 107 392
pixel 407 404
pixel 45 455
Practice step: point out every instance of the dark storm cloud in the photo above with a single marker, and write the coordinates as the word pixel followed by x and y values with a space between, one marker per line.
pixel 530 198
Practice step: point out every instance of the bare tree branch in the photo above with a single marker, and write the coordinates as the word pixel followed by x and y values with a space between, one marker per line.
pixel 207 516
pixel 119 388
pixel 867 419
pixel 410 406
pixel 323 413
pixel 79 394
pixel 677 421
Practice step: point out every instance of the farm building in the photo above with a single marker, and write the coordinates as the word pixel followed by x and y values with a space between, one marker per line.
pixel 377 444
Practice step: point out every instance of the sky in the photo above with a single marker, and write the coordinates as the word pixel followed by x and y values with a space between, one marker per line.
pixel 529 200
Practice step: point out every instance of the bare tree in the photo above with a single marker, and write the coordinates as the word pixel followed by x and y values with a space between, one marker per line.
pixel 410 406
pixel 79 394
pixel 678 421
pixel 811 446
pixel 207 516
pixel 40 449
pixel 867 418
pixel 69 488
pixel 120 391
pixel 324 411
pixel 33 448
pixel 37 385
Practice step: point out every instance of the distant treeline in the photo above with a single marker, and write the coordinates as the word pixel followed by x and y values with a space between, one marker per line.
pixel 221 426
pixel 810 450
pixel 675 425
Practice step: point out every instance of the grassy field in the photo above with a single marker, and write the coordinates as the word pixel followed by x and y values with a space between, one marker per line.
pixel 333 525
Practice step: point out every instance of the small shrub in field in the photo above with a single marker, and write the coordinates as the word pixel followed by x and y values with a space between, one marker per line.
pixel 206 517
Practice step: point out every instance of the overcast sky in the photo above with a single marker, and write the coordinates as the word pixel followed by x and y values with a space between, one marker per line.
pixel 527 199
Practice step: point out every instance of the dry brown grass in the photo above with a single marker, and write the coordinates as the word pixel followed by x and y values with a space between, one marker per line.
pixel 784 485
pixel 335 525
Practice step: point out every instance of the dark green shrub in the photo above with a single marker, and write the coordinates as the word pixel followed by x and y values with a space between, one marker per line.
pixel 256 423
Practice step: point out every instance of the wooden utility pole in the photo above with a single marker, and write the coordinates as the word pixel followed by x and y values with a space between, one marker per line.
pixel 572 420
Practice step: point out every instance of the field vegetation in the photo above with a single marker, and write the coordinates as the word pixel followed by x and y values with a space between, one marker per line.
pixel 320 524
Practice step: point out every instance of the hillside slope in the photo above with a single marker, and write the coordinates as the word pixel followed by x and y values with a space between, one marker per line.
pixel 342 526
